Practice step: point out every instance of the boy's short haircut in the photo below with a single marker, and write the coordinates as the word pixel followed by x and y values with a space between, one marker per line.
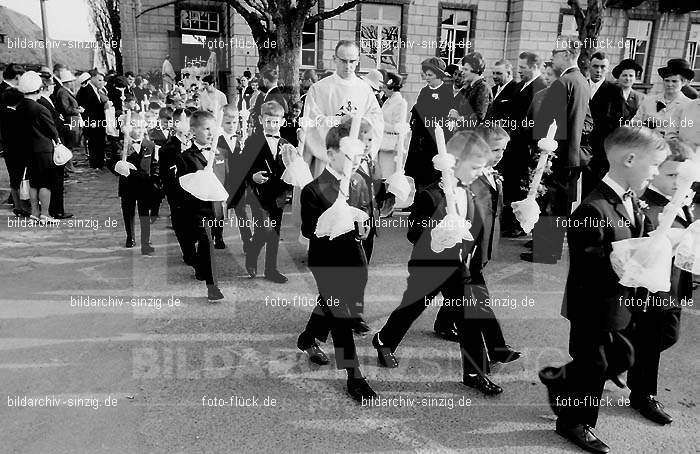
pixel 634 139
pixel 200 117
pixel 230 110
pixel 335 134
pixel 153 105
pixel 680 151
pixel 491 132
pixel 364 123
pixel 191 109
pixel 468 144
pixel 208 79
pixel 272 108
pixel 178 113
pixel 166 113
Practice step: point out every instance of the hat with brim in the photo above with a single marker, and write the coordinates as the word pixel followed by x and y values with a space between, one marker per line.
pixel 677 66
pixel 374 79
pixel 434 64
pixel 627 63
pixel 65 75
pixel 83 77
pixel 29 82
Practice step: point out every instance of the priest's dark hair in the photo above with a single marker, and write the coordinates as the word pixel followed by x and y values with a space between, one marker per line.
pixel 199 117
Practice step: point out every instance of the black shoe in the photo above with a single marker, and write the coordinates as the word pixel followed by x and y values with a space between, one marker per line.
pixel 361 327
pixel 551 378
pixel 385 356
pixel 129 243
pixel 447 332
pixel 583 437
pixel 275 276
pixel 651 409
pixel 63 215
pixel 147 249
pixel 618 381
pixel 505 354
pixel 529 257
pixel 219 243
pixel 359 389
pixel 316 355
pixel 482 383
pixel 213 293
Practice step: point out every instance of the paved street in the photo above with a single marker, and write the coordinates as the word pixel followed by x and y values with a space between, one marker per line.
pixel 166 356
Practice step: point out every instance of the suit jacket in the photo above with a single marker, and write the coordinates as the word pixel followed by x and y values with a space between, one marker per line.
pixel 65 102
pixel 593 292
pixel 429 207
pixel 502 106
pixel 472 102
pixel 681 281
pixel 145 179
pixel 345 250
pixel 489 204
pixel 36 127
pixel 167 168
pixel 222 163
pixel 55 115
pixel 190 161
pixel 239 167
pixel 94 106
pixel 274 94
pixel 521 104
pixel 363 195
pixel 273 193
pixel 157 136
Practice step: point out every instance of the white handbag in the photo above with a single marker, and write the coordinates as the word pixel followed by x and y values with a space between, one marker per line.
pixel 61 154
pixel 24 187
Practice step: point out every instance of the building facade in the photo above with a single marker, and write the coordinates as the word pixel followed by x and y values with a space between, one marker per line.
pixel 398 34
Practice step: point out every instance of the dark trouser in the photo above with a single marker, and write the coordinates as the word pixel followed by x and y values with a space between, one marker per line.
pixel 179 221
pixel 243 222
pixel 597 356
pixel 56 205
pixel 155 203
pixel 130 202
pixel 96 146
pixel 267 234
pixel 217 232
pixel 199 240
pixel 651 333
pixel 423 284
pixel 550 230
pixel 515 170
pixel 339 289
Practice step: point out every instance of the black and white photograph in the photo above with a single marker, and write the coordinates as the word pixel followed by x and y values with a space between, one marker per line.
pixel 363 226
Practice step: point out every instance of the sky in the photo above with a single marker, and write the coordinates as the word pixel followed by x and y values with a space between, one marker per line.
pixel 67 19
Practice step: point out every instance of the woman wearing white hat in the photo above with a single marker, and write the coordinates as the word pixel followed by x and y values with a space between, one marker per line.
pixel 37 128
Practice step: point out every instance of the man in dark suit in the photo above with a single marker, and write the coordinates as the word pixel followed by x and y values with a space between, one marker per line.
pixel 268 84
pixel 656 326
pixel 11 75
pixel 268 189
pixel 567 103
pixel 197 213
pixel 178 142
pixel 445 272
pixel 516 160
pixel 93 101
pixel 595 302
pixel 339 267
pixel 598 125
pixel 137 190
pixel 504 91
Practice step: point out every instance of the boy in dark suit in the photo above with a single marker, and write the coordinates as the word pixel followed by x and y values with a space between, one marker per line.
pixel 177 142
pixel 223 153
pixel 159 135
pixel 339 267
pixel 594 300
pixel 269 191
pixel 195 212
pixel 656 327
pixel 488 198
pixel 445 272
pixel 93 100
pixel 136 191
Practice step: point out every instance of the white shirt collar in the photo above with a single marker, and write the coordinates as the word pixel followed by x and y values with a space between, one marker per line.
pixel 614 185
pixel 529 82
pixel 441 82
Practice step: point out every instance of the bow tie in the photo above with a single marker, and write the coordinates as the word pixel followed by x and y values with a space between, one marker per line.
pixel 660 106
pixel 272 135
pixel 629 194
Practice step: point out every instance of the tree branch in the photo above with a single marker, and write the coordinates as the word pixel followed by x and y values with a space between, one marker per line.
pixel 334 12
pixel 252 17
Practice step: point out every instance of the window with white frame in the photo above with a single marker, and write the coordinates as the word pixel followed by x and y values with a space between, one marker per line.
pixel 200 21
pixel 380 34
pixel 309 50
pixel 637 43
pixel 692 53
pixel 454 35
pixel 568 25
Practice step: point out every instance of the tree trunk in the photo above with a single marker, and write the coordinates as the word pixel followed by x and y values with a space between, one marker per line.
pixel 588 25
pixel 267 55
pixel 289 58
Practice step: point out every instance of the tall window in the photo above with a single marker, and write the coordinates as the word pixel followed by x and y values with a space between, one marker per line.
pixel 308 45
pixel 637 43
pixel 200 21
pixel 380 31
pixel 692 53
pixel 454 35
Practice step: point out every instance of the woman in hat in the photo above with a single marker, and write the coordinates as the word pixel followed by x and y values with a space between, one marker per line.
pixel 663 111
pixel 394 111
pixel 431 109
pixel 474 99
pixel 375 80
